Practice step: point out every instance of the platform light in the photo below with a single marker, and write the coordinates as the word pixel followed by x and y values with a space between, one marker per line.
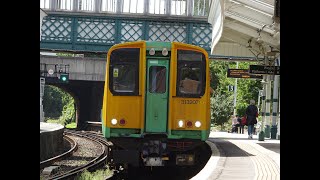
pixel 114 121
pixel 164 51
pixel 197 124
pixel 152 51
pixel 180 123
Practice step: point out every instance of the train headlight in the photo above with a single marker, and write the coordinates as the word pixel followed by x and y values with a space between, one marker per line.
pixel 152 51
pixel 197 124
pixel 180 123
pixel 114 121
pixel 164 51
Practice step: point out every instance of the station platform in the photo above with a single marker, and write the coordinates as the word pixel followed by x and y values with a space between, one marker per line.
pixel 51 139
pixel 234 156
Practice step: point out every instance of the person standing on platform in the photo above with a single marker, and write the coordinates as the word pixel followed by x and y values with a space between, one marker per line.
pixel 241 126
pixel 234 124
pixel 251 113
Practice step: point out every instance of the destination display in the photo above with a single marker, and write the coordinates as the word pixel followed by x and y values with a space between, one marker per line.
pixel 241 73
pixel 259 69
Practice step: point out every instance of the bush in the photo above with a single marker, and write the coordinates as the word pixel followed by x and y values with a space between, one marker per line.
pixel 221 109
pixel 97 175
pixel 68 113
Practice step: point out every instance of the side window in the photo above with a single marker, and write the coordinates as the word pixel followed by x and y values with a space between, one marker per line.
pixel 124 71
pixel 191 74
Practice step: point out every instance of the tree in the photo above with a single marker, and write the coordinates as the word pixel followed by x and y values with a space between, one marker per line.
pixel 58 104
pixel 52 103
pixel 220 81
pixel 68 113
pixel 221 109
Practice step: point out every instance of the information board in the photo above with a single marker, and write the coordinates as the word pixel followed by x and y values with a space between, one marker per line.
pixel 259 69
pixel 241 73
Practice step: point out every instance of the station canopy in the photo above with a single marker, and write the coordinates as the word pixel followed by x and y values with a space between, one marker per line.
pixel 254 24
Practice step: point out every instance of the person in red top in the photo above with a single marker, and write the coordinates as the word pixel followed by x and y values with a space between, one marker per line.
pixel 241 126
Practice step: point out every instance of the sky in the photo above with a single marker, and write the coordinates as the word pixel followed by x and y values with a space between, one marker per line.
pixel 178 7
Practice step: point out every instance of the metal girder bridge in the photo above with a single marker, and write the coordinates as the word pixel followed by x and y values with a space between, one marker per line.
pixel 98 34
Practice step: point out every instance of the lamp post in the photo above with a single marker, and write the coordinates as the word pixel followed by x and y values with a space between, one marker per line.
pixel 259 95
pixel 261 134
pixel 268 107
pixel 275 107
pixel 42 82
pixel 235 95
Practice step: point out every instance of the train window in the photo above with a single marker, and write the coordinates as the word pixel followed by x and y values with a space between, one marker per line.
pixel 124 71
pixel 123 78
pixel 191 74
pixel 157 79
pixel 190 81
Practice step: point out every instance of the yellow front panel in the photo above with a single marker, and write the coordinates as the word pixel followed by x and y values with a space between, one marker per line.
pixel 127 107
pixel 188 108
pixel 131 108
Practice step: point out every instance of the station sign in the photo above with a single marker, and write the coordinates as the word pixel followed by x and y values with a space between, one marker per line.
pixel 230 88
pixel 50 71
pixel 241 73
pixel 259 69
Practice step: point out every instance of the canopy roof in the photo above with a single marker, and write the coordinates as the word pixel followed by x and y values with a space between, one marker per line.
pixel 249 23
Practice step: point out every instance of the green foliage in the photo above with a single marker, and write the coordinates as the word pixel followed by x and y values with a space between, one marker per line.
pixel 71 125
pixel 241 109
pixel 221 109
pixel 247 89
pixel 58 104
pixel 97 175
pixel 51 120
pixel 68 113
pixel 52 104
pixel 220 81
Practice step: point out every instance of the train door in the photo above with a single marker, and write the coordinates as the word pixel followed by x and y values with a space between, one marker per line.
pixel 157 95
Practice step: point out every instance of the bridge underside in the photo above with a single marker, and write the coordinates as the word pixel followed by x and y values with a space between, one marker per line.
pixel 88 98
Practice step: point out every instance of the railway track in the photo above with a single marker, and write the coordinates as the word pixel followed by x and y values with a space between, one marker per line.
pixel 98 162
pixel 74 147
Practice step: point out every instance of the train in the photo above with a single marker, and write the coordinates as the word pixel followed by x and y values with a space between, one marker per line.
pixel 156 103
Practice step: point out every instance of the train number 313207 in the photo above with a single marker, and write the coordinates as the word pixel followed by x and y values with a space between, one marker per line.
pixel 189 101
